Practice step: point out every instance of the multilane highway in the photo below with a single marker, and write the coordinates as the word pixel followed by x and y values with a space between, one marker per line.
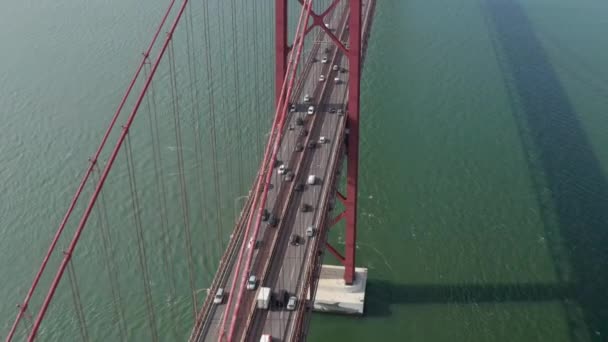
pixel 277 263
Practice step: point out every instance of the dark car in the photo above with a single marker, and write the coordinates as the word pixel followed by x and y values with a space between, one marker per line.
pixel 312 144
pixel 274 221
pixel 280 299
pixel 265 215
pixel 294 240
pixel 303 132
pixel 299 121
pixel 299 147
pixel 289 176
pixel 305 207
pixel 299 187
pixel 332 110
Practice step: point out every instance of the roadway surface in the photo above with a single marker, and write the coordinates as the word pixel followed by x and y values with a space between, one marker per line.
pixel 278 264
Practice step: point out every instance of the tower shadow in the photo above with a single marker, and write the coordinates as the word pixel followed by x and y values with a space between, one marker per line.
pixel 571 187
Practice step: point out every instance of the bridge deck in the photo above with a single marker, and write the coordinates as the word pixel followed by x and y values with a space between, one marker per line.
pixel 276 263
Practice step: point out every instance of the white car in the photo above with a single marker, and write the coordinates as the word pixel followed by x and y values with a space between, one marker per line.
pixel 337 80
pixel 322 78
pixel 252 282
pixel 266 338
pixel 335 67
pixel 282 169
pixel 291 304
pixel 306 98
pixel 322 140
pixel 324 60
pixel 310 231
pixel 219 296
pixel 311 110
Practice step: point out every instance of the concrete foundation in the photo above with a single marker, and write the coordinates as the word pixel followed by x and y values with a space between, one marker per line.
pixel 333 296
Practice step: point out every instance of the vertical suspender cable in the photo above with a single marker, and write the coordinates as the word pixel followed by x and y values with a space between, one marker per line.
pixel 210 91
pixel 110 265
pixel 161 199
pixel 257 84
pixel 237 94
pixel 82 324
pixel 141 243
pixel 182 176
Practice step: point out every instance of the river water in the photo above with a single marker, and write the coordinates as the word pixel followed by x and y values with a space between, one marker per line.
pixel 484 181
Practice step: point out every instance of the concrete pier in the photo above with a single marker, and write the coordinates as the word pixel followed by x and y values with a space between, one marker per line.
pixel 333 296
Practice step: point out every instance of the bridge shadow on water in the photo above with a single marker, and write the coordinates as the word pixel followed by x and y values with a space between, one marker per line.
pixel 382 294
pixel 571 187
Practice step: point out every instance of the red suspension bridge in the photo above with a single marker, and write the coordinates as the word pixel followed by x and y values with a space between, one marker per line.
pixel 267 280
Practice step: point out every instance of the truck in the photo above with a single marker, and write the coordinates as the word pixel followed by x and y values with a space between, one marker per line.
pixel 263 298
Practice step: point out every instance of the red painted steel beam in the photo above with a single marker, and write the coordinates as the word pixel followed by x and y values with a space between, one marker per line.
pixel 281 47
pixel 68 254
pixel 352 122
pixel 341 197
pixel 337 219
pixel 335 253
pixel 92 162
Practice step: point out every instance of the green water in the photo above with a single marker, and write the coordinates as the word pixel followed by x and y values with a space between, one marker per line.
pixel 484 191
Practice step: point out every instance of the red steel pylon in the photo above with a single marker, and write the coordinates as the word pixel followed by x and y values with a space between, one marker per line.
pixel 353 53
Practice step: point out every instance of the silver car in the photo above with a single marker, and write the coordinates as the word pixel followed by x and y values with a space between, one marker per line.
pixel 291 304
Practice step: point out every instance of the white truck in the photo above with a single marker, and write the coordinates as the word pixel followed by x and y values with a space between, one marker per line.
pixel 263 298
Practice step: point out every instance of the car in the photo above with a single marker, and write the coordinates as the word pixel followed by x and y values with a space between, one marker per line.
pixel 292 302
pixel 282 169
pixel 280 298
pixel 273 221
pixel 294 239
pixel 305 207
pixel 327 26
pixel 289 176
pixel 266 338
pixel 299 147
pixel 310 231
pixel 299 122
pixel 265 215
pixel 340 111
pixel 291 127
pixel 311 180
pixel 299 187
pixel 303 132
pixel 254 244
pixel 292 108
pixel 322 140
pixel 322 78
pixel 311 110
pixel 307 98
pixel 337 80
pixel 335 67
pixel 219 296
pixel 324 60
pixel 332 110
pixel 311 145
pixel 252 282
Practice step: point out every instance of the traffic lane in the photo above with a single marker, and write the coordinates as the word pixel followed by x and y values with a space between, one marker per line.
pixel 311 197
pixel 220 310
pixel 308 84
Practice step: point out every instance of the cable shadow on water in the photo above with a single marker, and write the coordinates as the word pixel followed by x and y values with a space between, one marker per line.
pixel 571 188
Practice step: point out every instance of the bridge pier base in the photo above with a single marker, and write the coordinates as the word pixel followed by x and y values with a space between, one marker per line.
pixel 334 296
